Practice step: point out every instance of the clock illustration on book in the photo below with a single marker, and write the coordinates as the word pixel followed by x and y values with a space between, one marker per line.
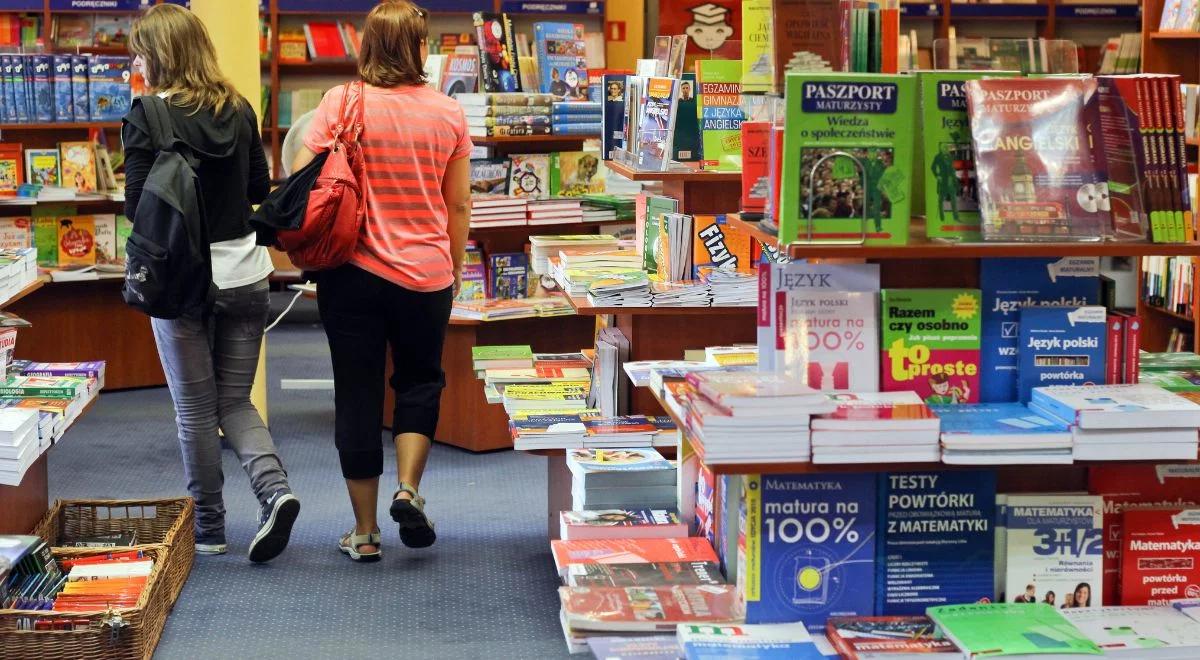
pixel 528 182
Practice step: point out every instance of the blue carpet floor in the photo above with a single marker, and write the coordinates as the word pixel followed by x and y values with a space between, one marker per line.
pixel 485 590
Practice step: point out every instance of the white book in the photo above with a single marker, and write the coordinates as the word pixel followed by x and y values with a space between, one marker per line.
pixel 1030 457
pixel 878 411
pixel 15 424
pixel 1144 633
pixel 1055 544
pixel 113 570
pixel 1117 406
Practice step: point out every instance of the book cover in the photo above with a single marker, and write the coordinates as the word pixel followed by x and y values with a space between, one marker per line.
pixel 649 220
pixel 808 547
pixel 656 124
pixel 951 191
pixel 561 59
pixel 1136 630
pixel 64 110
pixel 612 133
pixel 865 194
pixel 646 609
pixel 79 88
pixel 1061 346
pixel 1034 163
pixel 937 542
pixel 780 640
pixel 45 236
pixel 687 145
pixel 810 31
pixel 820 323
pixel 576 173
pixel 108 87
pixel 1010 285
pixel 43 100
pixel 78 166
pixel 76 241
pixel 529 176
pixel 719 105
pixel 1136 486
pixel 42 166
pixel 498 66
pixel 489 176
pixel 16 233
pixel 756 139
pixel 1160 555
pixel 881 636
pixel 630 551
pixel 105 226
pixel 654 574
pixel 931 343
pixel 758 56
pixel 717 244
pixel 508 275
pixel 460 74
pixel 1000 629
pixel 1055 550
pixel 11 170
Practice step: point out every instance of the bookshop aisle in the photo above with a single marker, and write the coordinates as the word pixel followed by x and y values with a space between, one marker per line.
pixel 479 592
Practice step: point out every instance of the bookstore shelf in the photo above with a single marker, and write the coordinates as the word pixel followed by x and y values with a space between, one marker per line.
pixel 62 126
pixel 333 67
pixel 1175 35
pixel 690 176
pixel 33 286
pixel 531 139
pixel 1166 312
pixel 585 308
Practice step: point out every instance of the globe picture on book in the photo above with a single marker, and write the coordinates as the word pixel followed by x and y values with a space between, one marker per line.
pixel 843 188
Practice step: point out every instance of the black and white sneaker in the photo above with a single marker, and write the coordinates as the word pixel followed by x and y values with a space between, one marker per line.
pixel 275 526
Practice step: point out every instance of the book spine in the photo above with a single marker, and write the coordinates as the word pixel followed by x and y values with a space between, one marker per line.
pixel 517 130
pixel 577 129
pixel 571 118
pixel 510 38
pixel 43 89
pixel 38 392
pixel 1133 333
pixel 1181 171
pixel 1114 358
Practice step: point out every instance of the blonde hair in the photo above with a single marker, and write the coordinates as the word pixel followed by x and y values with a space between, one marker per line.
pixel 180 59
pixel 391 44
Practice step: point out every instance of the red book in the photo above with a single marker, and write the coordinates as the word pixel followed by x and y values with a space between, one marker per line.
pixel 1136 487
pixel 1133 338
pixel 1114 358
pixel 1160 556
pixel 630 551
pixel 756 138
pixel 621 523
pixel 893 411
pixel 325 41
pixel 647 609
pixel 775 171
pixel 882 636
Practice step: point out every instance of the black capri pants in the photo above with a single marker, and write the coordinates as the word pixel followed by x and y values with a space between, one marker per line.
pixel 363 314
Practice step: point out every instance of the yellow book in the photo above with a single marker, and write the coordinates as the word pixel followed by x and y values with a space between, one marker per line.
pixel 78 166
pixel 76 241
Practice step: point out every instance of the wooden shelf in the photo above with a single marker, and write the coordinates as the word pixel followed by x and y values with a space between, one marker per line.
pixel 62 126
pixel 585 308
pixel 537 228
pixel 705 176
pixel 1168 313
pixel 34 286
pixel 1175 35
pixel 335 67
pixel 1195 142
pixel 532 139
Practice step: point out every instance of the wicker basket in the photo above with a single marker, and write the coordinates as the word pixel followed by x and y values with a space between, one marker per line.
pixel 169 522
pixel 136 640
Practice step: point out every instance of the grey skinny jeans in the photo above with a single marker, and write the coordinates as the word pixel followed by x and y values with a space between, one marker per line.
pixel 210 367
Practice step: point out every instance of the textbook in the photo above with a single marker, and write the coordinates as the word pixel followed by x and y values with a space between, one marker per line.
pixel 1139 633
pixel 1160 555
pixel 865 194
pixel 779 640
pixel 621 524
pixel 1117 406
pixel 1054 550
pixel 937 542
pixel 629 551
pixel 1010 285
pixel 1005 629
pixel 561 59
pixel 653 574
pixel 619 467
pixel 612 133
pixel 884 637
pixel 1001 433
pixel 656 124
pixel 931 343
pixel 647 609
pixel 718 244
pixel 719 107
pixel 501 357
pixel 1061 346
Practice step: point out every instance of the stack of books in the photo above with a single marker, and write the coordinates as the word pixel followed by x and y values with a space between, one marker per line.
pixel 620 431
pixel 541 248
pixel 92 369
pixel 686 293
pixel 547 429
pixel 621 524
pixel 734 355
pixel 1123 422
pixel 556 396
pixel 576 118
pixel 492 309
pixel 20 443
pixel 781 640
pixel 885 427
pixel 539 375
pixel 727 406
pixel 593 212
pixel 18 270
pixel 555 211
pixel 498 211
pixel 730 288
pixel 575 281
pixel 506 114
pixel 501 357
pixel 624 289
pixel 620 478
pixel 623 204
pixel 1001 434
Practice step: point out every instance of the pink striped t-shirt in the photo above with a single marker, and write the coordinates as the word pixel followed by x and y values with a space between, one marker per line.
pixel 410 135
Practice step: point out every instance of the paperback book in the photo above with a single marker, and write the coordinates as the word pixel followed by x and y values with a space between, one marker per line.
pixel 621 523
pixel 931 343
pixel 1139 632
pixel 720 110
pixel 687 144
pixel 561 59
pixel 1160 556
pixel 460 74
pixel 1061 346
pixel 1004 629
pixel 882 637
pixel 1055 550
pixel 612 133
pixel 529 176
pixel 780 640
pixel 656 124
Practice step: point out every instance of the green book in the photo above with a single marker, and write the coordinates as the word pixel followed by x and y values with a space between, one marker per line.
pixel 25 387
pixel 997 630
pixel 868 116
pixel 506 354
pixel 686 146
pixel 931 343
pixel 720 112
pixel 951 193
pixel 758 47
pixel 45 231
pixel 655 207
pixel 124 230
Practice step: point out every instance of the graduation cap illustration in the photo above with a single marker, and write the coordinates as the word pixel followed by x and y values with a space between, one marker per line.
pixel 710 26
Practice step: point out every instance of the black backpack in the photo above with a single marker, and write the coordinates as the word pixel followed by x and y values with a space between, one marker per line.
pixel 168 267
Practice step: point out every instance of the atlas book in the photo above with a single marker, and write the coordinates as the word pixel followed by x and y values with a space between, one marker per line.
pixel 931 343
pixel 1061 346
pixel 986 630
pixel 951 189
pixel 1035 164
pixel 561 59
pixel 1011 285
pixel 499 69
pixel 847 167
pixel 936 542
pixel 807 551
pixel 1054 550
pixel 656 124
pixel 720 110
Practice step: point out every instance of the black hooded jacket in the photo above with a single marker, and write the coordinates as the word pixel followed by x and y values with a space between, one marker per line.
pixel 233 168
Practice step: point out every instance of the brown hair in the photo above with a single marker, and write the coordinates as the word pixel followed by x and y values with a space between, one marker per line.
pixel 180 58
pixel 391 44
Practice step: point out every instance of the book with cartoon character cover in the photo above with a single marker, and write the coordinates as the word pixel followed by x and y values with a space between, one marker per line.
pixel 498 66
pixel 865 194
pixel 561 60
pixel 931 343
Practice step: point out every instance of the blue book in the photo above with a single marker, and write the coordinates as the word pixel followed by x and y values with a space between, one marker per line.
pixel 108 87
pixel 687 145
pixel 810 547
pixel 5 106
pixel 613 121
pixel 577 108
pixel 577 129
pixel 508 275
pixel 559 119
pixel 1009 285
pixel 937 540
pixel 79 87
pixel 64 102
pixel 652 647
pixel 15 69
pixel 1061 346
pixel 562 59
pixel 966 422
pixel 786 641
pixel 43 88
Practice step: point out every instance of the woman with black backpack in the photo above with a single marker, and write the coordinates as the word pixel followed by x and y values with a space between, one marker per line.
pixel 210 356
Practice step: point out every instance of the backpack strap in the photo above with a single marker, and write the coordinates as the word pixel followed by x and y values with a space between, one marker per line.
pixel 158 121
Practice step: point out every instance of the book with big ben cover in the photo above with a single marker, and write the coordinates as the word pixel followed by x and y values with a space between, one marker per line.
pixel 1034 161
pixel 870 118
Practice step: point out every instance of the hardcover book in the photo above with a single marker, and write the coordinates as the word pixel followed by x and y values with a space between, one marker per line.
pixel 1055 550
pixel 807 29
pixel 865 194
pixel 1160 555
pixel 931 343
pixel 498 66
pixel 937 542
pixel 1036 170
pixel 720 111
pixel 1061 346
pixel 108 87
pixel 656 123
pixel 529 176
pixel 460 74
pixel 489 176
pixel 1010 285
pixel 561 59
pixel 951 190
pixel 1002 629
pixel 808 547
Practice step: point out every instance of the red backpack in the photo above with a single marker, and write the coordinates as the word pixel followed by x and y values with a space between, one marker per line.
pixel 337 204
